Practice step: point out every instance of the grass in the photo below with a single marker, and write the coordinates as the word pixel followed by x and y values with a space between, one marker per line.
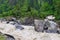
pixel 2 37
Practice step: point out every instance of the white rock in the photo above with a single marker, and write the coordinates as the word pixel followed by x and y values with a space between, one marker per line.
pixel 28 33
pixel 50 17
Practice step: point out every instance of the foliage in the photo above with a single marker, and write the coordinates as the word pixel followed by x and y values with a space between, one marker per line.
pixel 2 37
pixel 30 8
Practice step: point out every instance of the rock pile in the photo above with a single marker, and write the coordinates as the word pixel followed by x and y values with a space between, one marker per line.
pixel 13 28
pixel 47 25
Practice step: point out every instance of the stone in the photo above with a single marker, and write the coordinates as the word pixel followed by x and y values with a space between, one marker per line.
pixel 50 17
pixel 28 33
pixel 39 25
pixel 9 37
pixel 19 26
pixel 28 21
pixel 52 26
pixel 45 26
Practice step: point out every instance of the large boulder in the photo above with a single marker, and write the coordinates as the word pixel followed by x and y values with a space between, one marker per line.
pixel 39 25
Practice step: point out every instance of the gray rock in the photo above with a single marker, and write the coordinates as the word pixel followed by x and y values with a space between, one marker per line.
pixel 2 19
pixel 45 26
pixel 39 24
pixel 9 37
pixel 28 21
pixel 19 26
pixel 16 23
pixel 52 26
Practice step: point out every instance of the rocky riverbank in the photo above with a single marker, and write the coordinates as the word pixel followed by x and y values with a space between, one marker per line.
pixel 28 33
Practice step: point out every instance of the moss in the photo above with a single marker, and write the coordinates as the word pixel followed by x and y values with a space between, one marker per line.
pixel 2 37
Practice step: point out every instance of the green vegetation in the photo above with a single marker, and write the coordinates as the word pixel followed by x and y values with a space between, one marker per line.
pixel 30 8
pixel 2 37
